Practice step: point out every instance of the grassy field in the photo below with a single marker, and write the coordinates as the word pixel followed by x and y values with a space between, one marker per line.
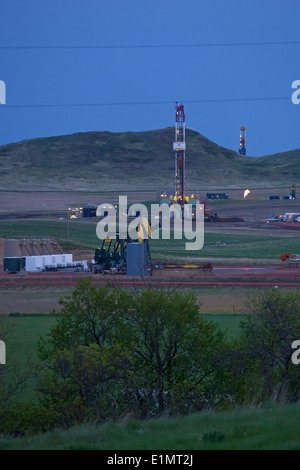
pixel 269 428
pixel 216 245
pixel 222 245
pixel 43 299
pixel 26 331
pixel 81 232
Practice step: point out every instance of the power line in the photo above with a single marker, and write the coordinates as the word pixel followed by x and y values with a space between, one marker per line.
pixel 157 46
pixel 145 103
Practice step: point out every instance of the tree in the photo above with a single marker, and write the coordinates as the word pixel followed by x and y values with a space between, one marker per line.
pixel 174 351
pixel 269 330
pixel 113 351
pixel 80 384
pixel 89 316
pixel 83 362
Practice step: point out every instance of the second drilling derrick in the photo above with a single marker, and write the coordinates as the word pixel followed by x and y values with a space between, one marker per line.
pixel 242 149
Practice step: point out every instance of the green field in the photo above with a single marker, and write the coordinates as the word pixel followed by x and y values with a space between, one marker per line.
pixel 222 245
pixel 269 428
pixel 81 232
pixel 216 245
pixel 43 299
pixel 26 331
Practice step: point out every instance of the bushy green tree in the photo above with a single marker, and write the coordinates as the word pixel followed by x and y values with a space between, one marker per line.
pixel 174 352
pixel 83 363
pixel 80 384
pixel 266 350
pixel 89 316
pixel 113 351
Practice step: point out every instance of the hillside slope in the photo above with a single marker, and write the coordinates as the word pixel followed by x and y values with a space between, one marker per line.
pixel 98 161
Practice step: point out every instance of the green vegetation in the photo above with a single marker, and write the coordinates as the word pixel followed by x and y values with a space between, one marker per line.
pixel 216 245
pixel 141 160
pixel 82 233
pixel 149 353
pixel 113 352
pixel 272 427
pixel 26 331
pixel 222 245
pixel 227 322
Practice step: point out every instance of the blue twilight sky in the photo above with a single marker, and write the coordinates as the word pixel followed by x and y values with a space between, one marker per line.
pixel 135 75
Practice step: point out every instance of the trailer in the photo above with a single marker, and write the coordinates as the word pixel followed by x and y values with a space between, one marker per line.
pixel 214 195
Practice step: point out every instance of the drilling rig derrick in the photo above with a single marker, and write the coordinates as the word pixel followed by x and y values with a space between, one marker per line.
pixel 179 147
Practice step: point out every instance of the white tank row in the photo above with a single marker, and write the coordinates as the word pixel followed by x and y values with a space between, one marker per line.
pixel 40 263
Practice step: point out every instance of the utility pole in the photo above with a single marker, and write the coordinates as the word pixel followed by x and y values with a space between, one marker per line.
pixel 68 223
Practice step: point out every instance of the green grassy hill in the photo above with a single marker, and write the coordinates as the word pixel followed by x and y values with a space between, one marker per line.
pixel 270 428
pixel 135 160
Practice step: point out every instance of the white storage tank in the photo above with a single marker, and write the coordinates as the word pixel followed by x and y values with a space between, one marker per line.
pixel 38 263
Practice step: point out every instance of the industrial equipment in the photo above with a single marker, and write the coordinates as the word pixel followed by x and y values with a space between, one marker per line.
pixel 75 213
pixel 113 257
pixel 242 149
pixel 290 217
pixel 293 191
pixel 179 146
pixel 214 195
pixel 137 260
pixel 89 211
pixel 78 212
pixel 292 259
pixel 36 255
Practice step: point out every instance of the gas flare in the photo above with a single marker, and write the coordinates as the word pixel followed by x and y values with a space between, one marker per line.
pixel 246 192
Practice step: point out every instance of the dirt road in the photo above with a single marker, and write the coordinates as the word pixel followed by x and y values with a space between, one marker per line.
pixel 246 276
